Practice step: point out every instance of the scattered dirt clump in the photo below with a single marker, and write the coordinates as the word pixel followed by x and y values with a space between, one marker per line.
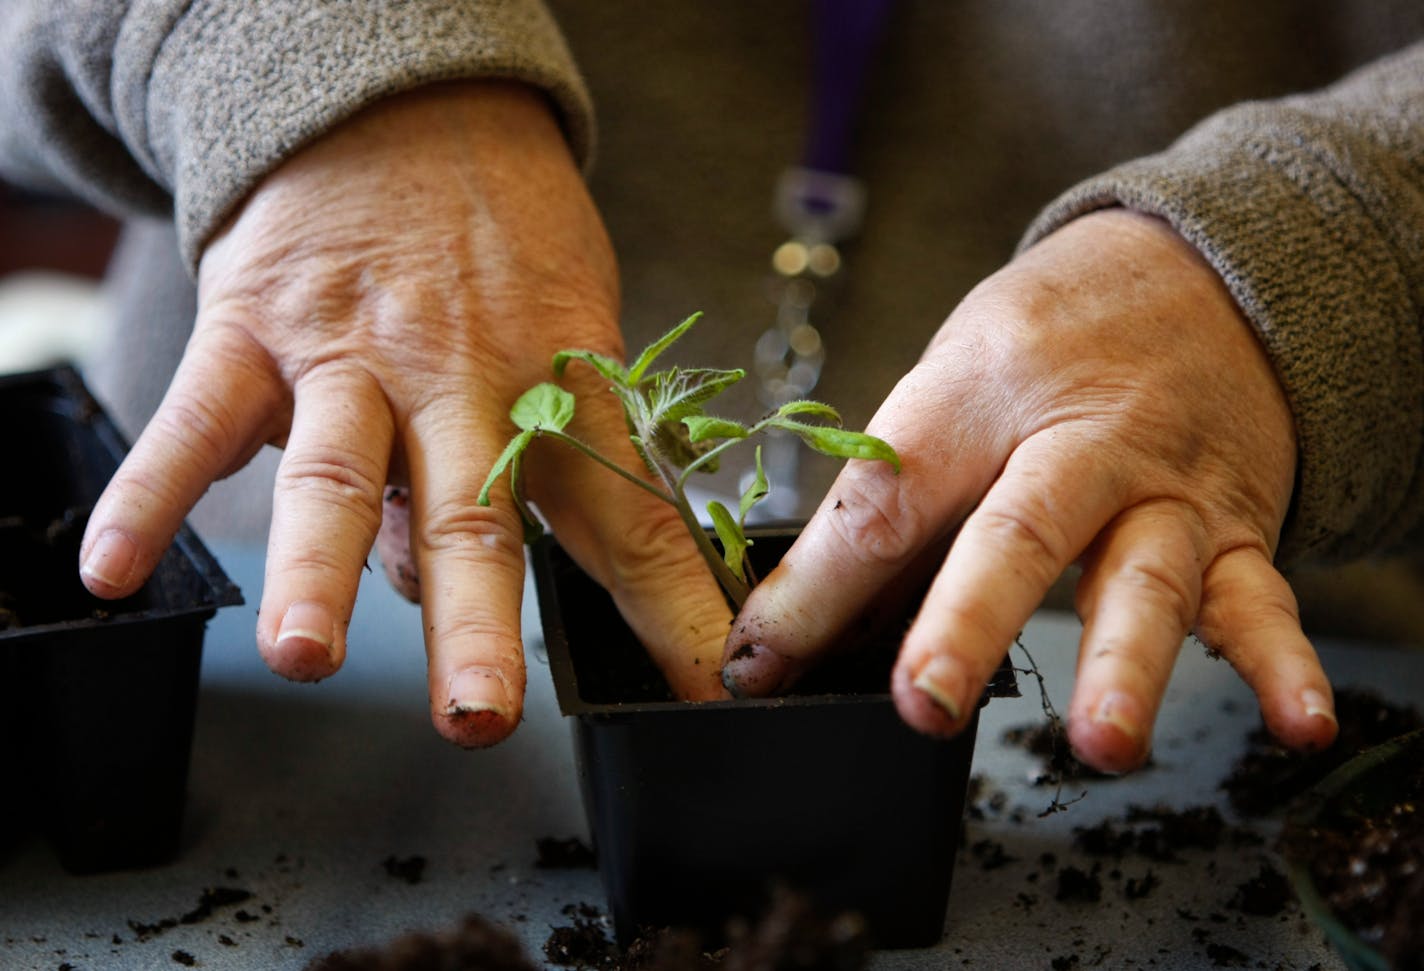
pixel 411 869
pixel 566 853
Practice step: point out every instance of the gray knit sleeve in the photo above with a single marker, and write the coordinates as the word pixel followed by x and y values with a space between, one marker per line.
pixel 181 106
pixel 1312 210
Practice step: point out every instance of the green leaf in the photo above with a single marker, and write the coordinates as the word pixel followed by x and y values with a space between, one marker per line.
pixel 840 443
pixel 701 428
pixel 606 366
pixel 804 407
pixel 651 352
pixel 512 451
pixel 545 406
pixel 734 541
pixel 757 490
pixel 677 393
pixel 673 442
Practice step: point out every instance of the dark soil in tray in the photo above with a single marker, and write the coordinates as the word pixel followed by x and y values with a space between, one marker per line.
pixel 1368 867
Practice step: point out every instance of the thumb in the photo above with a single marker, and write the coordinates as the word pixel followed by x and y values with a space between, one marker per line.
pixel 853 568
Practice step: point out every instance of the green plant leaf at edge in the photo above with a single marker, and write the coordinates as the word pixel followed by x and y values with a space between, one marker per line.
pixel 544 407
pixel 512 458
pixel 651 352
pixel 757 490
pixel 804 406
pixel 734 541
pixel 702 428
pixel 606 366
pixel 839 443
pixel 516 446
pixel 679 393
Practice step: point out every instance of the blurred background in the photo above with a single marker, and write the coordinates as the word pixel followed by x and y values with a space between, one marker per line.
pixel 53 253
pixel 971 117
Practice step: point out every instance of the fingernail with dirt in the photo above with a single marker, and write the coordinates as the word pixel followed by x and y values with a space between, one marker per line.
pixel 756 671
pixel 478 691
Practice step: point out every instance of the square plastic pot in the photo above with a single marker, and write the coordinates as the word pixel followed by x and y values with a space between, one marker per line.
pixel 697 811
pixel 99 696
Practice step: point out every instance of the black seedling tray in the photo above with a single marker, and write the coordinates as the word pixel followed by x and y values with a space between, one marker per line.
pixel 99 695
pixel 698 811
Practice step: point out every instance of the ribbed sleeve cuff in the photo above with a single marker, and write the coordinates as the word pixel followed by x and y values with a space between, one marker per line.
pixel 235 87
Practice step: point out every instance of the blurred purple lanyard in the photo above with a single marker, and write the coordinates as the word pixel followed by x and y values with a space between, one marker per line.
pixel 847 36
pixel 820 204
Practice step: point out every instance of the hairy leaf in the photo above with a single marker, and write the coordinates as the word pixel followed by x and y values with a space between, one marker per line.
pixel 701 428
pixel 734 541
pixel 675 443
pixel 606 366
pixel 677 393
pixel 544 406
pixel 839 443
pixel 512 451
pixel 804 407
pixel 757 490
pixel 650 353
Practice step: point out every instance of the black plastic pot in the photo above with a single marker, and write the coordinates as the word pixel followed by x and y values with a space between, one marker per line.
pixel 99 695
pixel 698 811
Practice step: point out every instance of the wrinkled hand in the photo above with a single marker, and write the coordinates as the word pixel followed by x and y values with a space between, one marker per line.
pixel 375 307
pixel 1101 400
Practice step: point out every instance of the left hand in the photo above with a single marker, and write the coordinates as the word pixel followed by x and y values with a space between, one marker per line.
pixel 1100 399
pixel 375 306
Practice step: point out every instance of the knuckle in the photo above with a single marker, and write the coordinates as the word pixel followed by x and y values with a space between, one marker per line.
pixel 338 475
pixel 1027 534
pixel 197 426
pixel 460 525
pixel 1147 666
pixel 305 562
pixel 1165 588
pixel 650 547
pixel 869 512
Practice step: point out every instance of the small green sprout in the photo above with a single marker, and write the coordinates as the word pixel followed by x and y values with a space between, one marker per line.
pixel 676 438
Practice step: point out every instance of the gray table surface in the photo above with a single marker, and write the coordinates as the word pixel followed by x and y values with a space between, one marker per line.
pixel 300 793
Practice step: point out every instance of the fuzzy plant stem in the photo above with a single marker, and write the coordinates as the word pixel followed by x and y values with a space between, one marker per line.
pixel 733 586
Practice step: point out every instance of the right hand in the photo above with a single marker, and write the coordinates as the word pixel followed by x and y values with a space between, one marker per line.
pixel 1100 399
pixel 375 306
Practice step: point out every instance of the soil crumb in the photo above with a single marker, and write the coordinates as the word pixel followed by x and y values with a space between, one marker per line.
pixel 568 853
pixel 209 902
pixel 1266 894
pixel 1161 834
pixel 1049 742
pixel 1081 886
pixel 411 869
